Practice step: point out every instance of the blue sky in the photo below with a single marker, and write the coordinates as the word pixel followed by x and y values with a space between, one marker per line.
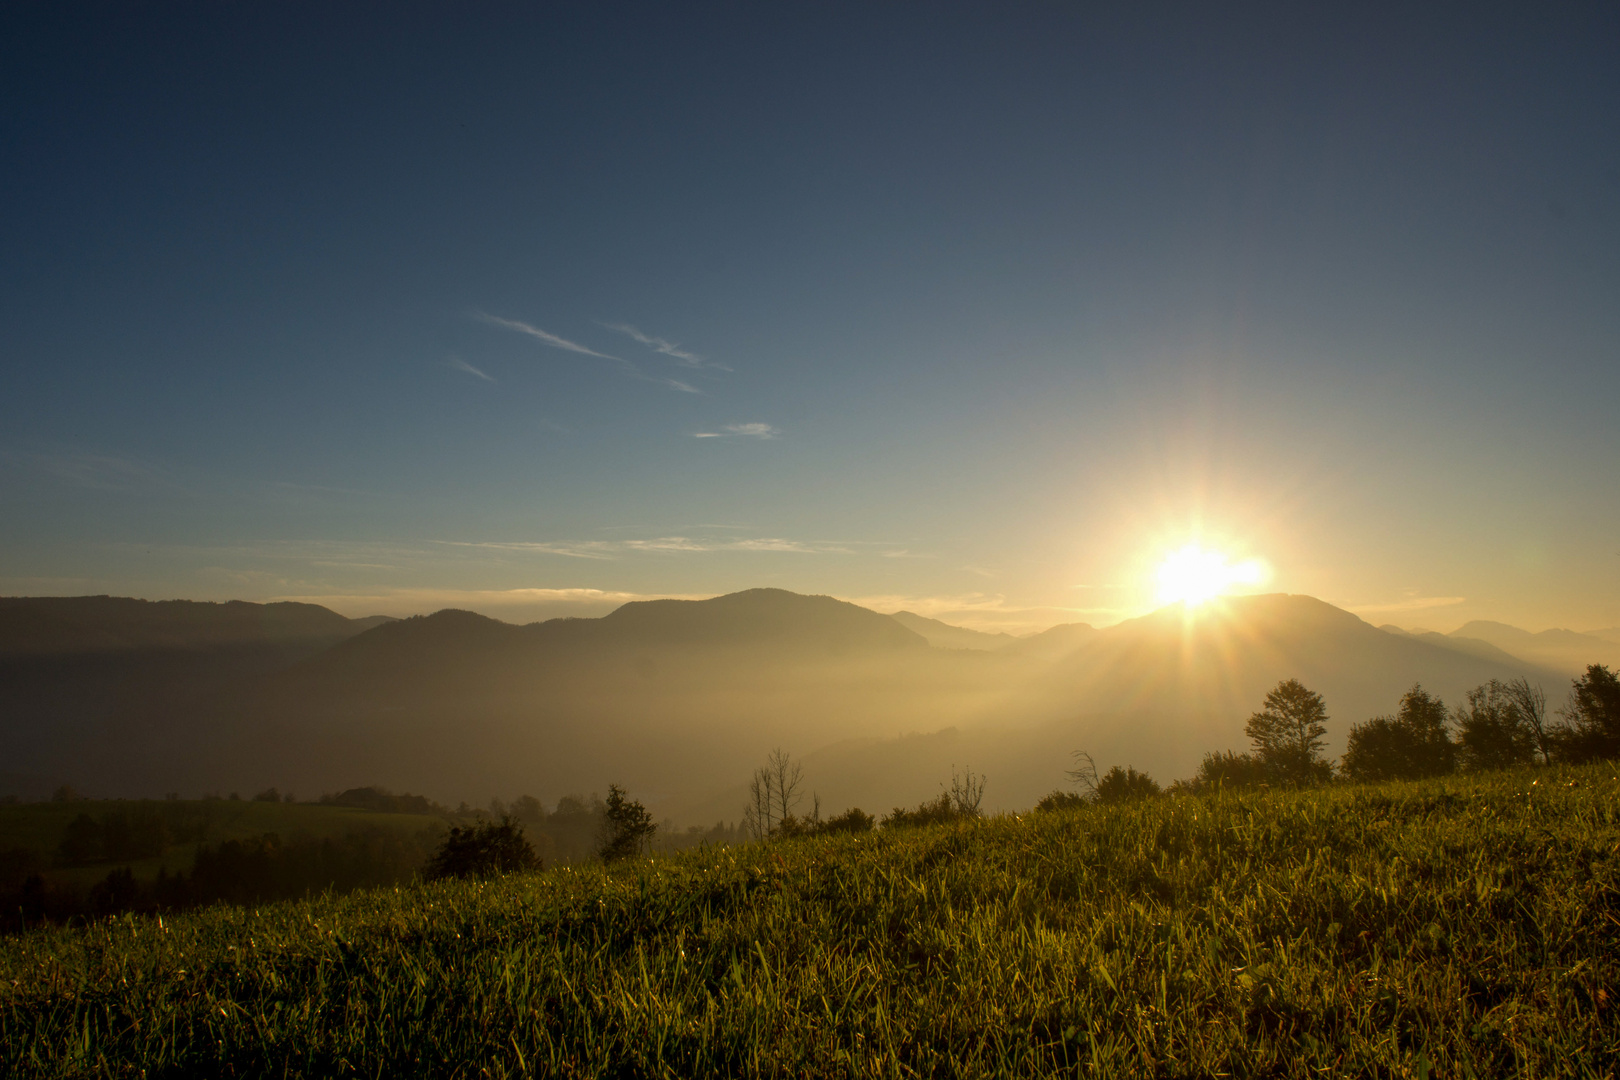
pixel 973 310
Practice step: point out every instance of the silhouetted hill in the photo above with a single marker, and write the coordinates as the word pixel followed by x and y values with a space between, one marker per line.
pixel 1565 650
pixel 43 626
pixel 943 635
pixel 679 700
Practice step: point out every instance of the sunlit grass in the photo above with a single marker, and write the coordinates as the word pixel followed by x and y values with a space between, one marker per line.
pixel 1460 927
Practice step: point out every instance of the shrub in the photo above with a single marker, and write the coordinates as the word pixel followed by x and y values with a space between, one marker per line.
pixel 1491 730
pixel 941 811
pixel 1231 769
pixel 1058 799
pixel 484 849
pixel 1120 785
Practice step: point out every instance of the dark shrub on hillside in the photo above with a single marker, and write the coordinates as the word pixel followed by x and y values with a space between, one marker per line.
pixel 17 865
pixel 853 820
pixel 1061 800
pixel 1119 785
pixel 81 841
pixel 1410 745
pixel 485 849
pixel 1591 728
pixel 1233 770
pixel 942 810
pixel 114 893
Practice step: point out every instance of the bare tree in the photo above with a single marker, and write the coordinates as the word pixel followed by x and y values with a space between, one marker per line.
pixel 773 794
pixel 967 791
pixel 1084 773
pixel 1531 705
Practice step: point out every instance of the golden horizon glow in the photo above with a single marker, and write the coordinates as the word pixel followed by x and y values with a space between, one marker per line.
pixel 1193 575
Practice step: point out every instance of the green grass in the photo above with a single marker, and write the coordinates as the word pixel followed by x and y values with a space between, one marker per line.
pixel 1461 927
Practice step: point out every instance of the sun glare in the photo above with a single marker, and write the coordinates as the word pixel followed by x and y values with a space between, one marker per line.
pixel 1194 575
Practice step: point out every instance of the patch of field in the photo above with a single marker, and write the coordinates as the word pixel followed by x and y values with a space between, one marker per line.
pixel 190 823
pixel 1461 927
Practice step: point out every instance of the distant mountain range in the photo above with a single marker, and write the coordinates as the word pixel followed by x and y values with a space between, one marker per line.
pixel 676 700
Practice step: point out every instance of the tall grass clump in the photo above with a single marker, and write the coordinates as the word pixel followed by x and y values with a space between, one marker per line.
pixel 1462 926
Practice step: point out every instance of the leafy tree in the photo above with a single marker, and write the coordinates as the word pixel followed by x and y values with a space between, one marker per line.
pixel 483 849
pixel 1591 728
pixel 1411 744
pixel 629 827
pixel 1287 734
pixel 1491 733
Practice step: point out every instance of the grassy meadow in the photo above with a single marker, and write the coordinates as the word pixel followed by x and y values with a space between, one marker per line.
pixel 1468 926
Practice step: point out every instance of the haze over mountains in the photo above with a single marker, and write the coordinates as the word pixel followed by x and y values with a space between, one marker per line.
pixel 675 700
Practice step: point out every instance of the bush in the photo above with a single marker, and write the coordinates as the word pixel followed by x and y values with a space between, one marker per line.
pixel 1410 745
pixel 1492 733
pixel 1058 799
pixel 1120 785
pixel 485 849
pixel 1230 769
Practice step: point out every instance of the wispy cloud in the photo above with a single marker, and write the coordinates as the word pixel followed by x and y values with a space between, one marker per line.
pixel 1416 603
pixel 100 472
pixel 668 348
pixel 545 338
pixel 667 545
pixel 461 365
pixel 755 431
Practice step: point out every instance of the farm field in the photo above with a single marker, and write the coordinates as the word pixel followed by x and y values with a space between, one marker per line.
pixel 1461 927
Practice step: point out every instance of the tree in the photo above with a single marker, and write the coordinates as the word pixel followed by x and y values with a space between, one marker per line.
pixel 967 792
pixel 1490 731
pixel 1287 734
pixel 484 849
pixel 628 828
pixel 1531 705
pixel 1411 744
pixel 1591 727
pixel 773 793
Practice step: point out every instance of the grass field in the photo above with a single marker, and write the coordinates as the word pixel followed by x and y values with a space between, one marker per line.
pixel 1461 927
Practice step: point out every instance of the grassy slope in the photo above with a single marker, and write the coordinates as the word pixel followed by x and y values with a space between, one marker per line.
pixel 40 826
pixel 1470 925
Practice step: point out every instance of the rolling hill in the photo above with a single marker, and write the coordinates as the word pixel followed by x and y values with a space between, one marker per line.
pixel 679 700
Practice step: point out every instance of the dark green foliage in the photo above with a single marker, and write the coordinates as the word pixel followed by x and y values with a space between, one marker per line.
pixel 1231 770
pixel 114 893
pixel 1591 729
pixel 1491 732
pixel 117 836
pixel 1058 799
pixel 939 812
pixel 853 820
pixel 1287 734
pixel 485 849
pixel 375 798
pixel 1119 785
pixel 629 827
pixel 1410 745
pixel 82 841
pixel 1461 927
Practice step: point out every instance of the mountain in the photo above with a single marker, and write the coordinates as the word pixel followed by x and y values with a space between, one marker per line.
pixel 678 701
pixel 943 635
pixel 69 666
pixel 1564 650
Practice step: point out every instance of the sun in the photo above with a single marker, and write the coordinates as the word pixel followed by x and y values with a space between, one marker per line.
pixel 1193 575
